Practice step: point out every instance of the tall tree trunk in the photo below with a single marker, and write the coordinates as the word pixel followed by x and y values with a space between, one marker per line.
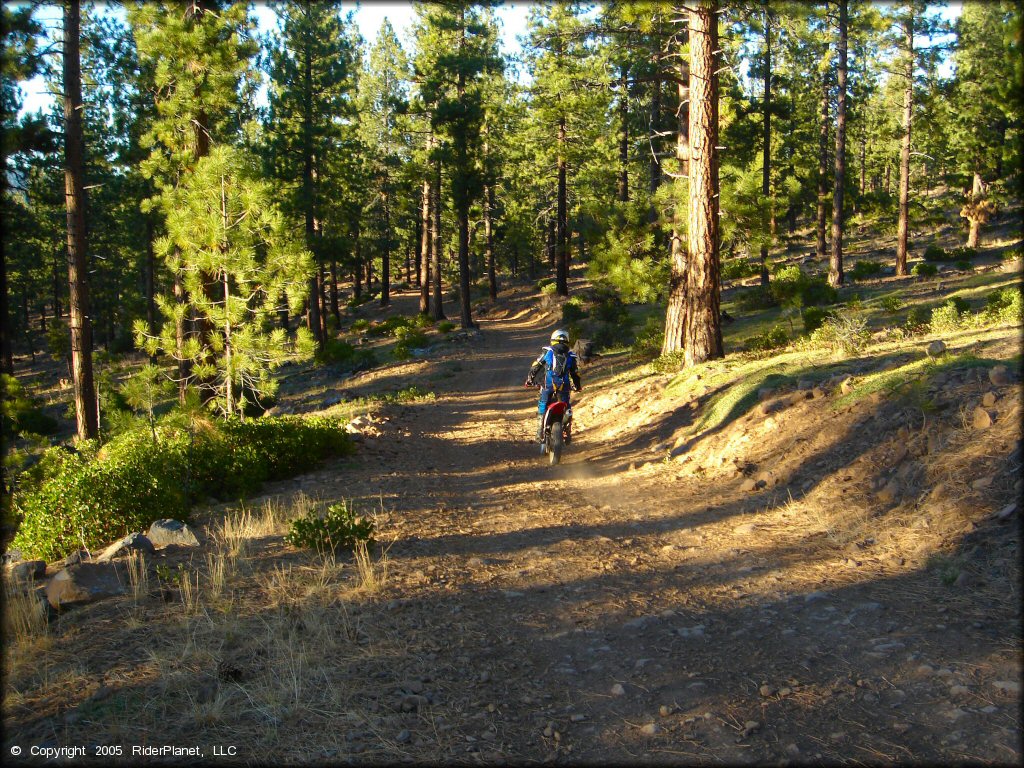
pixel 767 138
pixel 835 266
pixel 357 257
pixel 385 264
pixel 703 332
pixel 86 414
pixel 6 350
pixel 150 283
pixel 675 315
pixel 654 164
pixel 313 320
pixel 437 308
pixel 822 216
pixel 335 309
pixel 623 188
pixel 425 247
pixel 492 277
pixel 977 192
pixel 549 245
pixel 903 224
pixel 562 218
pixel 863 163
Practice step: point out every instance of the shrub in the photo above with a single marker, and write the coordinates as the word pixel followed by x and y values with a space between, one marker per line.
pixel 650 339
pixel 817 292
pixel 669 363
pixel 334 352
pixel 791 286
pixel 948 317
pixel 814 317
pixel 892 303
pixel 774 338
pixel 843 334
pixel 934 253
pixel 337 528
pixel 548 289
pixel 738 268
pixel 360 325
pixel 865 269
pixel 20 413
pixel 423 321
pixel 1005 305
pixel 573 310
pixel 96 495
pixel 409 338
pixel 756 298
pixel 962 253
pixel 922 269
pixel 964 266
pixel 446 326
pixel 917 320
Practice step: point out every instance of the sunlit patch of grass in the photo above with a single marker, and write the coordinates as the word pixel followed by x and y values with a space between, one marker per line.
pixel 24 618
pixel 372 574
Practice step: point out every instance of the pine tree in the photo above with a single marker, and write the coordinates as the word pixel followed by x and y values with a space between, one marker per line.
pixel 225 231
pixel 835 269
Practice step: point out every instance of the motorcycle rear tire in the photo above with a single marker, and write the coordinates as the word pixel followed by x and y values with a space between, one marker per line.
pixel 555 448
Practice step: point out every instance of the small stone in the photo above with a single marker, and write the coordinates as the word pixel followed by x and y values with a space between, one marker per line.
pixel 981 418
pixel 745 529
pixel 936 348
pixel 750 727
pixel 958 690
pixel 1006 512
pixel 748 485
pixel 488 736
pixel 577 717
pixel 1007 686
pixel 792 750
pixel 650 729
pixel 988 399
pixel 999 376
pixel 618 690
pixel 403 736
pixel 766 690
pixel 817 393
pixel 785 691
pixel 982 483
pixel 846 385
pixel 549 730
pixel 664 710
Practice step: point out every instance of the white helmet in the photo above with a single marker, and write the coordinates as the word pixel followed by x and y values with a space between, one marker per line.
pixel 559 337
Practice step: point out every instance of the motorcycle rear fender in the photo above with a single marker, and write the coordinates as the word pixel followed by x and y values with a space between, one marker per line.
pixel 555 412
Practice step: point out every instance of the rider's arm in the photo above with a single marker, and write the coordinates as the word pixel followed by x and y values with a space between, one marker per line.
pixel 574 373
pixel 537 367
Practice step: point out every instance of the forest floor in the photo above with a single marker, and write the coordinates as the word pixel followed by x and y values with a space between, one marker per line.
pixel 821 576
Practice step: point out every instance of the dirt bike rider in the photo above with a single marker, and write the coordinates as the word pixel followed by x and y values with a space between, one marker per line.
pixel 560 366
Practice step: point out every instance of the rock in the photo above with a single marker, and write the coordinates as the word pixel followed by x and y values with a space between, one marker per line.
pixel 936 348
pixel 988 399
pixel 773 407
pixel 81 556
pixel 1006 512
pixel 745 529
pixel 1007 686
pixel 798 397
pixel 981 418
pixel 959 690
pixel 29 570
pixel 403 736
pixel 650 729
pixel 999 376
pixel 748 485
pixel 750 727
pixel 812 597
pixel 84 583
pixel 846 385
pixel 982 482
pixel 618 690
pixel 890 493
pixel 166 532
pixel 766 690
pixel 764 393
pixel 412 703
pixel 133 542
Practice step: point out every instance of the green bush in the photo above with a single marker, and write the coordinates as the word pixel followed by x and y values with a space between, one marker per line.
pixel 790 285
pixel 408 339
pixel 813 318
pixel 935 253
pixel 865 269
pixel 548 289
pixel 739 268
pixel 948 317
pixel 964 266
pixel 962 253
pixel 445 326
pixel 892 303
pixel 774 338
pixel 20 413
pixel 390 326
pixel 650 339
pixel 335 352
pixel 337 528
pixel 1005 305
pixel 922 269
pixel 917 320
pixel 360 325
pixel 99 494
pixel 755 299
pixel 573 310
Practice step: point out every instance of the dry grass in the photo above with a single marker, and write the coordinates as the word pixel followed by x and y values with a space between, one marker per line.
pixel 219 570
pixel 372 575
pixel 25 618
pixel 138 575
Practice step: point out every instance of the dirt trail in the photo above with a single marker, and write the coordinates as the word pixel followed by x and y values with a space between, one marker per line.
pixel 591 613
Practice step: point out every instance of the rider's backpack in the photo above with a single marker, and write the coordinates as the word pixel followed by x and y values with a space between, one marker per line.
pixel 559 370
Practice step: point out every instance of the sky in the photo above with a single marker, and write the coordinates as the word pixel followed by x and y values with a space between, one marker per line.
pixel 369 15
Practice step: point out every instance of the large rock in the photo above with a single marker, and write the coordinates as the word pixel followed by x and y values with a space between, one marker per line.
pixel 133 542
pixel 936 348
pixel 84 583
pixel 981 418
pixel 999 376
pixel 164 533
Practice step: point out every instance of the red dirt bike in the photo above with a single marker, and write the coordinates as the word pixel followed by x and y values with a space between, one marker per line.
pixel 557 429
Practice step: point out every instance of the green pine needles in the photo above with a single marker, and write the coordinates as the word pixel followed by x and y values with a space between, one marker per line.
pixel 236 260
